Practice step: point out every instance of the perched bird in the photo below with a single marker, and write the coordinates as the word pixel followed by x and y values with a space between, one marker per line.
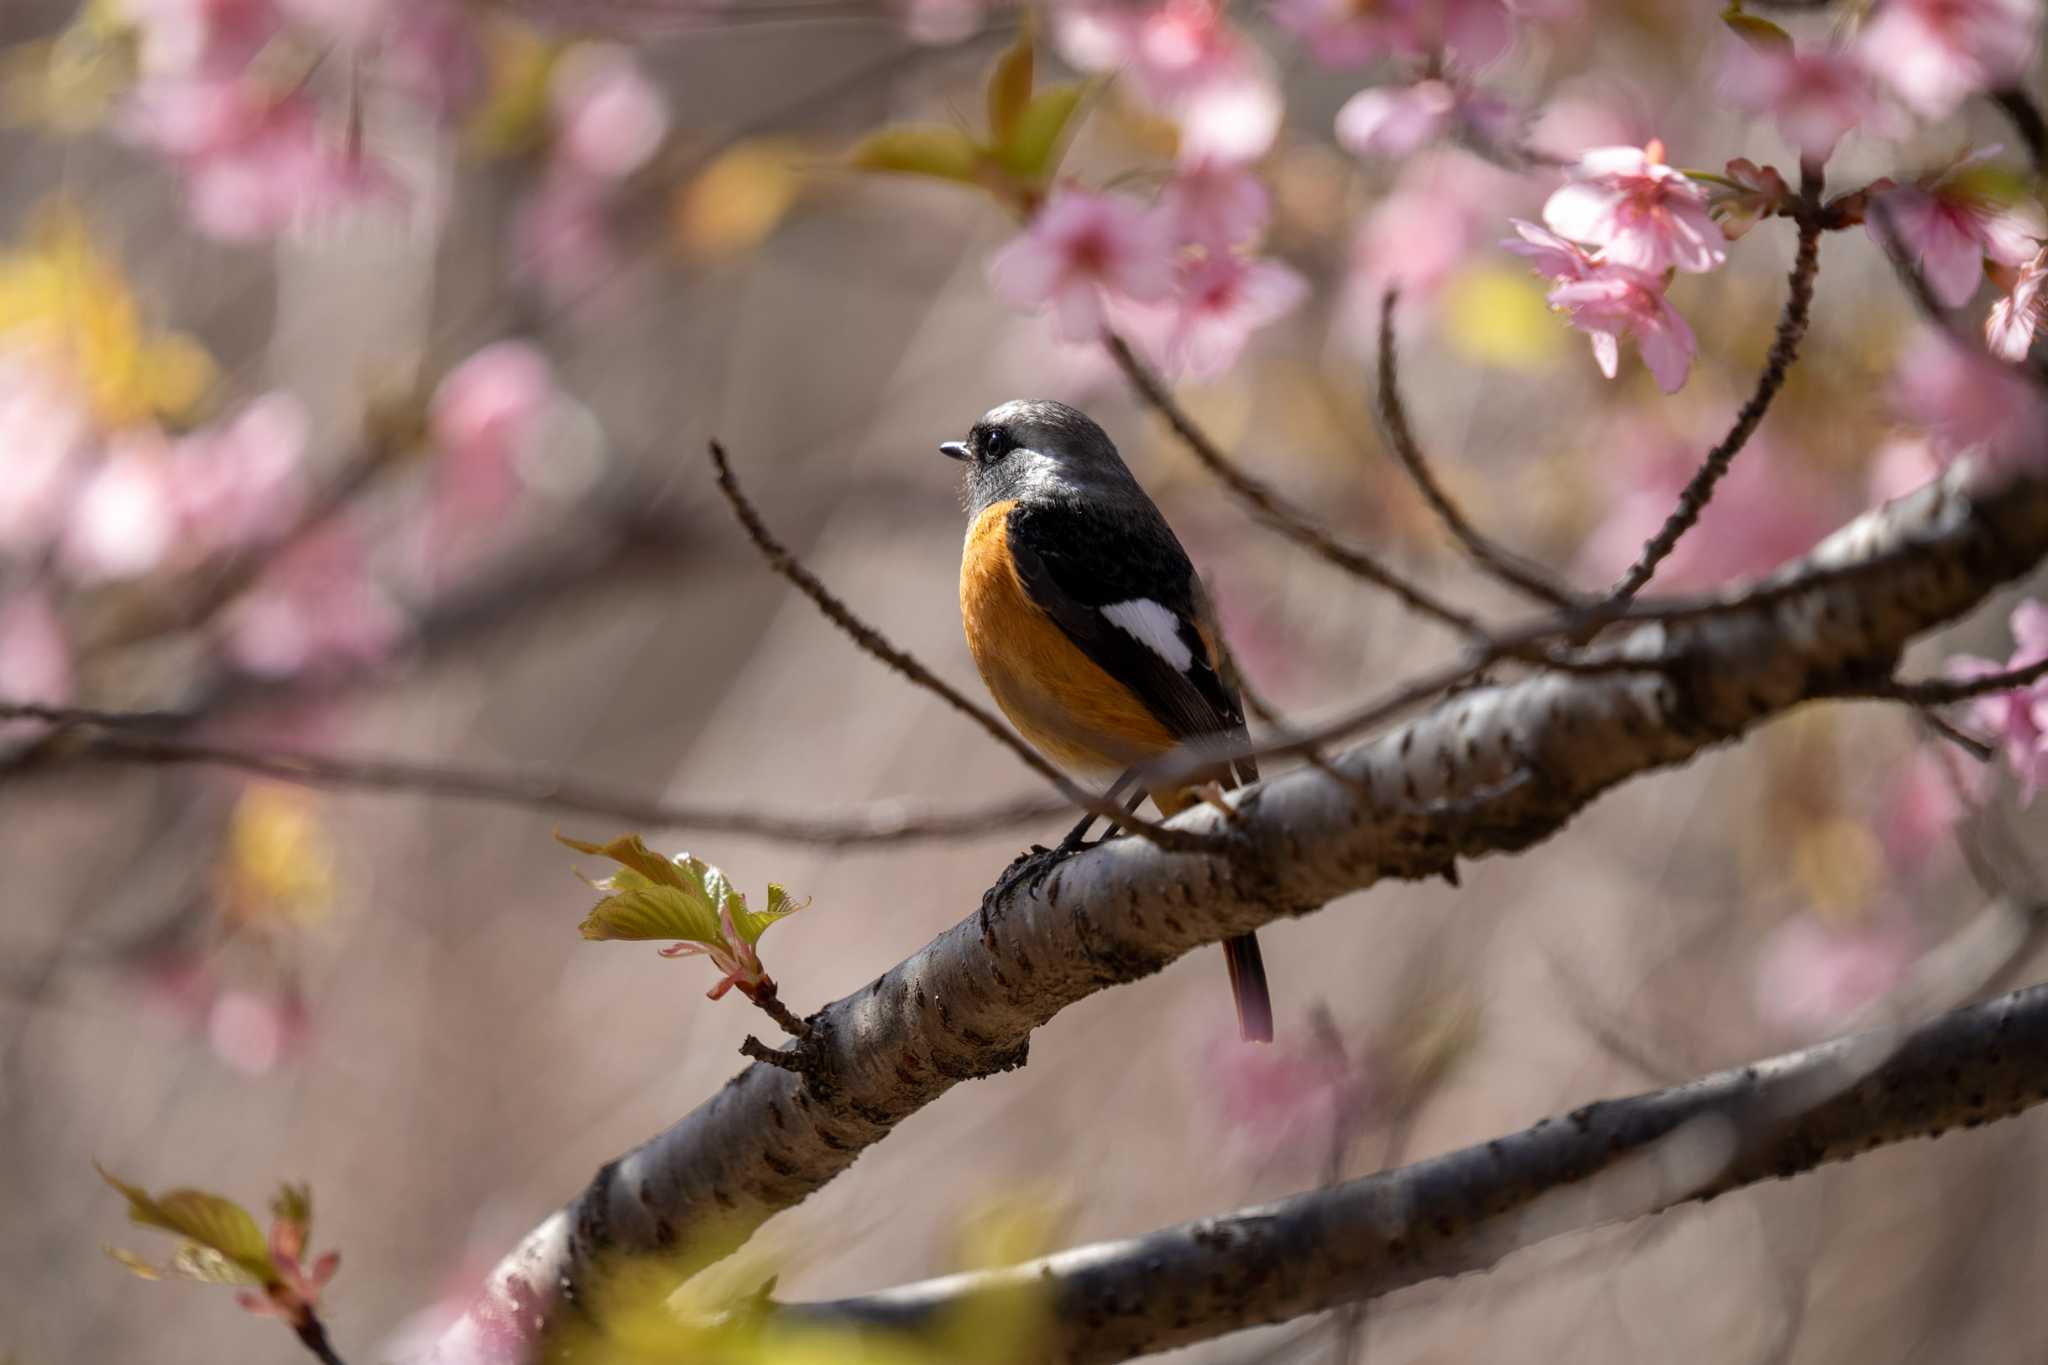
pixel 1089 625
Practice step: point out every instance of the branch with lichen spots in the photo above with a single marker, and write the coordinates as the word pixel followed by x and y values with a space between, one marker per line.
pixel 1495 768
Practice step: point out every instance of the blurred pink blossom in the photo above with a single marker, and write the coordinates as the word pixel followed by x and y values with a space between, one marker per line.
pixel 485 413
pixel 562 236
pixel 1637 211
pixel 35 658
pixel 1812 978
pixel 254 1032
pixel 1186 59
pixel 609 118
pixel 1587 112
pixel 316 606
pixel 1444 204
pixel 191 36
pixel 1342 33
pixel 1902 465
pixel 354 22
pixel 2010 327
pixel 1082 249
pixel 1971 405
pixel 1551 255
pixel 1949 227
pixel 242 482
pixel 1921 808
pixel 2018 718
pixel 1216 205
pixel 124 521
pixel 46 433
pixel 1395 121
pixel 1765 511
pixel 1285 1098
pixel 1937 53
pixel 1223 299
pixel 1816 96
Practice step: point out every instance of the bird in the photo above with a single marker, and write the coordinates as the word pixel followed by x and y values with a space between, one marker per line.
pixel 1090 627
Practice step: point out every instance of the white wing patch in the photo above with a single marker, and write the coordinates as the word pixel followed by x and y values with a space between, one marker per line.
pixel 1154 627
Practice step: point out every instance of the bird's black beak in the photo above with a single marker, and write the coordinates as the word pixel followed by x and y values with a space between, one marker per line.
pixel 955 450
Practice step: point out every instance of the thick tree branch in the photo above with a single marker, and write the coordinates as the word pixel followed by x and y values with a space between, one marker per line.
pixel 1495 768
pixel 1466 1210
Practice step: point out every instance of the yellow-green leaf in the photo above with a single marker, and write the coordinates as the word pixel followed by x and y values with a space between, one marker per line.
pixel 921 149
pixel 654 912
pixel 627 849
pixel 1032 150
pixel 212 1223
pixel 1759 33
pixel 1009 88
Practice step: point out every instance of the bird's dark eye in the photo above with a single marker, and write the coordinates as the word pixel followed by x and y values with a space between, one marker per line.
pixel 996 443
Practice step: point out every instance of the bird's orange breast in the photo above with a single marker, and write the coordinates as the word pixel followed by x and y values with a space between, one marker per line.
pixel 1073 711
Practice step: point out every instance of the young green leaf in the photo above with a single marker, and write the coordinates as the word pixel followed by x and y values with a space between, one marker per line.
pixel 1033 147
pixel 920 149
pixel 223 1244
pixel 1009 88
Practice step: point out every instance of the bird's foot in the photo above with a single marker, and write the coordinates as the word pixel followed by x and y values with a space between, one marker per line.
pixel 1028 871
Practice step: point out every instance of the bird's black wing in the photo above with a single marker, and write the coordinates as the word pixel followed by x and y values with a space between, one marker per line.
pixel 1086 568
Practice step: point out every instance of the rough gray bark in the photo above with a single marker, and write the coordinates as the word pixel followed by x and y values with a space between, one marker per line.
pixel 1491 769
pixel 1465 1210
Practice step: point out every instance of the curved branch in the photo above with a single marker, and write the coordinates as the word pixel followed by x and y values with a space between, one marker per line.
pixel 1495 768
pixel 123 737
pixel 1784 349
pixel 1503 564
pixel 1272 509
pixel 1466 1210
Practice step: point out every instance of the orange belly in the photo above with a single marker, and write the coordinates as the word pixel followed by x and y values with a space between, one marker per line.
pixel 1072 711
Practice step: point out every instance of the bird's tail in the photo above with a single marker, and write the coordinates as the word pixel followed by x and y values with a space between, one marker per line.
pixel 1248 988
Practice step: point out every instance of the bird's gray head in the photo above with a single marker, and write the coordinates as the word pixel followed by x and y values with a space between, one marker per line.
pixel 1036 448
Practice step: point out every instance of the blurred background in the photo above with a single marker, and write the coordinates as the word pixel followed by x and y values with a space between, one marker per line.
pixel 366 415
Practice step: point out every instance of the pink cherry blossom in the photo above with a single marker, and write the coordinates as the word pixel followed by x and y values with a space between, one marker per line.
pixel 1223 299
pixel 1950 225
pixel 243 482
pixel 1590 111
pixel 1923 803
pixel 1816 96
pixel 1342 33
pixel 1638 211
pixel 124 521
pixel 317 606
pixel 2009 329
pixel 1187 60
pixel 1443 206
pixel 1082 249
pixel 609 117
pixel 1971 405
pixel 1217 205
pixel 35 659
pixel 1231 119
pixel 1618 301
pixel 1551 255
pixel 254 1032
pixel 45 432
pixel 1812 977
pixel 2018 719
pixel 1937 53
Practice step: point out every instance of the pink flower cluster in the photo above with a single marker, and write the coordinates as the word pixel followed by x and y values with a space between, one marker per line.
pixel 1624 219
pixel 259 153
pixel 606 120
pixel 1186 60
pixel 1969 405
pixel 1473 33
pixel 1176 278
pixel 2018 718
pixel 1952 223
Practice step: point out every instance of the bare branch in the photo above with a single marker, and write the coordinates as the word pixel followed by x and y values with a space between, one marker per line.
pixel 1495 768
pixel 1273 510
pixel 1784 349
pixel 1943 691
pixel 1465 1210
pixel 124 737
pixel 1503 564
pixel 872 641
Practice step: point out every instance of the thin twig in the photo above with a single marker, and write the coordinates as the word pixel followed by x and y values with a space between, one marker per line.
pixel 125 738
pixel 1943 691
pixel 872 641
pixel 1273 510
pixel 312 1333
pixel 1784 349
pixel 770 1003
pixel 1501 563
pixel 2019 106
pixel 759 1051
